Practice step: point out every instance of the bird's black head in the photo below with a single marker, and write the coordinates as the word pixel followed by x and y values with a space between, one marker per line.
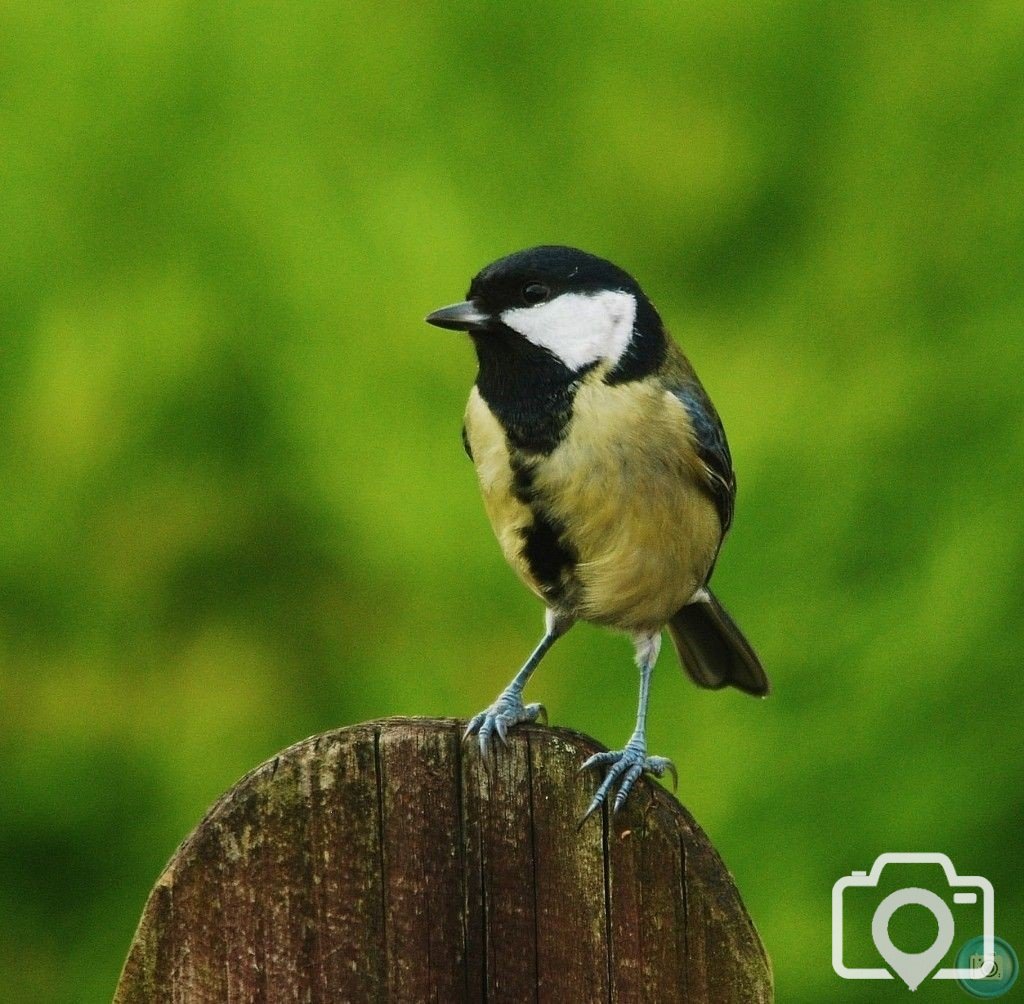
pixel 561 310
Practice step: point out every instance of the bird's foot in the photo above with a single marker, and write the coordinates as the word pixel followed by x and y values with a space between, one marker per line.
pixel 506 711
pixel 624 767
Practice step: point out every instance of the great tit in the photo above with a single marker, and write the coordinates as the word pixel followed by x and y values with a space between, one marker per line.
pixel 606 475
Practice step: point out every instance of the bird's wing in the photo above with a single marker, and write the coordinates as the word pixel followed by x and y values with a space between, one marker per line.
pixel 711 445
pixel 465 442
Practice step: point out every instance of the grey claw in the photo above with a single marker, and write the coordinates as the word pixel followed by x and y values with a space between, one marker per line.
pixel 601 794
pixel 473 726
pixel 624 768
pixel 485 737
pixel 591 809
pixel 597 760
pixel 626 786
pixel 505 713
pixel 658 765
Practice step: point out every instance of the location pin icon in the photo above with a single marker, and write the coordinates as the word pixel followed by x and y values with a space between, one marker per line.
pixel 912 967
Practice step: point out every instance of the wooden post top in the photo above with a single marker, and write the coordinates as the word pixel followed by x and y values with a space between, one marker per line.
pixel 387 862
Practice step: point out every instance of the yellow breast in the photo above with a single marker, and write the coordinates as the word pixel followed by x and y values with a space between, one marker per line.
pixel 623 485
pixel 508 516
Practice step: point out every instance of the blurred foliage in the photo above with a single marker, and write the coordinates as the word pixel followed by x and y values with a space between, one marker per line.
pixel 236 509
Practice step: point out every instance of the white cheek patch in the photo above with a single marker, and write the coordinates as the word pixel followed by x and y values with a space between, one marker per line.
pixel 579 328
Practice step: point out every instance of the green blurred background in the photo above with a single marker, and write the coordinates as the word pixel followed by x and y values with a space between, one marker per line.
pixel 235 507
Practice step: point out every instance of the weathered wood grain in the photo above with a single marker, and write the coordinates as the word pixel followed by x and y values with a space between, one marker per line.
pixel 387 862
pixel 569 874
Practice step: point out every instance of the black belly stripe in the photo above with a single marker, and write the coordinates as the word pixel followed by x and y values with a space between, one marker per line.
pixel 550 557
pixel 522 477
pixel 548 553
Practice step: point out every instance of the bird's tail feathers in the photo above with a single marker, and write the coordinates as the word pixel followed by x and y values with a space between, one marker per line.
pixel 712 648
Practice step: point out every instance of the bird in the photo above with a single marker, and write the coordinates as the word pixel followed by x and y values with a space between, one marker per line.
pixel 606 475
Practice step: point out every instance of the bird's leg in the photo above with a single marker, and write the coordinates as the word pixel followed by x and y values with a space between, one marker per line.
pixel 626 765
pixel 508 709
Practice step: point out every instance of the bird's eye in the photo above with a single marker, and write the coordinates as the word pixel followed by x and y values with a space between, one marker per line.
pixel 535 293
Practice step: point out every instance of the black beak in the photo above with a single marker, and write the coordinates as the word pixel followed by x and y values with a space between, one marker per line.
pixel 464 316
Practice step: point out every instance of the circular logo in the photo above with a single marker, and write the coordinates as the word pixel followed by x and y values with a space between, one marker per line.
pixel 1001 976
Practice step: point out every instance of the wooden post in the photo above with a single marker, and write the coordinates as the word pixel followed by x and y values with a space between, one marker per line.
pixel 387 862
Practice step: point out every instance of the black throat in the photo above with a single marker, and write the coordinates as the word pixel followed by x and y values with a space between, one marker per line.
pixel 529 390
